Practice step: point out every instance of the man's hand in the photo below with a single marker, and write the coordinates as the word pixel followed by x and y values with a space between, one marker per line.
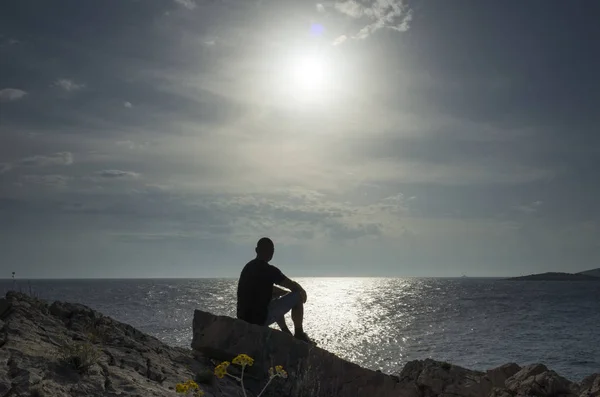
pixel 294 287
pixel 298 288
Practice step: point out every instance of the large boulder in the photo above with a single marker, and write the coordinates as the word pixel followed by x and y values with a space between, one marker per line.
pixel 312 371
pixel 590 386
pixel 538 380
pixel 499 375
pixel 434 378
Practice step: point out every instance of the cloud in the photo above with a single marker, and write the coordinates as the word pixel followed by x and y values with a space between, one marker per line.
pixel 128 105
pixel 60 158
pixel 8 42
pixel 47 180
pixel 11 94
pixel 68 85
pixel 189 4
pixel 530 208
pixel 294 214
pixel 340 40
pixel 392 14
pixel 320 8
pixel 5 167
pixel 350 8
pixel 117 174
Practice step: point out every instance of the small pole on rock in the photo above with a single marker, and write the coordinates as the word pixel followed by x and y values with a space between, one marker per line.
pixel 13 283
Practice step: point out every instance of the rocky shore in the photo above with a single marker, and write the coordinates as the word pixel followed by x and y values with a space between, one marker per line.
pixel 64 349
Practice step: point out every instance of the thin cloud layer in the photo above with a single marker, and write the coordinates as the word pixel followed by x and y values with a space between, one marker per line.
pixel 11 94
pixel 530 208
pixel 47 180
pixel 117 174
pixel 189 4
pixel 5 167
pixel 68 85
pixel 54 159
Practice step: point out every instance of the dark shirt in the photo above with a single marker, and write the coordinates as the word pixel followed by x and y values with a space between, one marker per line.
pixel 255 290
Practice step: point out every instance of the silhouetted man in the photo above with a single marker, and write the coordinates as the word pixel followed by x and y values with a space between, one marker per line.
pixel 260 301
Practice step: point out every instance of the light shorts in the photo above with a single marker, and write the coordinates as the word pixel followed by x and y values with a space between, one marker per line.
pixel 278 307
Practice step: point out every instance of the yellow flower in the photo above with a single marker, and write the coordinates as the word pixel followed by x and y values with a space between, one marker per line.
pixel 192 385
pixel 277 371
pixel 189 387
pixel 181 388
pixel 221 369
pixel 243 360
pixel 280 371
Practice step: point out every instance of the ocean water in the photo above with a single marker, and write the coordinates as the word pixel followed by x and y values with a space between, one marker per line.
pixel 381 323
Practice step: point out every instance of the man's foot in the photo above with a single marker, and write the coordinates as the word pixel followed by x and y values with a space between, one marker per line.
pixel 303 337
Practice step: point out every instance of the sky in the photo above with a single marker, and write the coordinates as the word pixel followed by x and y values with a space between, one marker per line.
pixel 163 138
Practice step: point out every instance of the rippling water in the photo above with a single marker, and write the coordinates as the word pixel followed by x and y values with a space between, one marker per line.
pixel 381 323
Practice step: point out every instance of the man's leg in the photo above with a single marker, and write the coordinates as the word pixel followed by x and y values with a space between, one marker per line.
pixel 298 317
pixel 280 306
pixel 282 325
pixel 277 309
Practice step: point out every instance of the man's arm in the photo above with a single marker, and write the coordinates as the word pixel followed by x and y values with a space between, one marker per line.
pixel 294 287
pixel 277 292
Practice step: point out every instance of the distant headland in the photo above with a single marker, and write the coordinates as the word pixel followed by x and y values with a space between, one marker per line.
pixel 589 275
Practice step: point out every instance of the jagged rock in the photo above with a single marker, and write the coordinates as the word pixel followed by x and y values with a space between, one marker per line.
pixel 129 363
pixel 434 378
pixel 499 375
pixel 315 371
pixel 538 380
pixel 4 307
pixel 590 386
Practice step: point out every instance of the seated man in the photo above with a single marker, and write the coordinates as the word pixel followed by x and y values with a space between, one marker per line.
pixel 260 301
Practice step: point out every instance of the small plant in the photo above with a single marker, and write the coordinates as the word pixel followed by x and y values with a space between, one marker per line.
pixel 189 388
pixel 96 333
pixel 79 356
pixel 244 360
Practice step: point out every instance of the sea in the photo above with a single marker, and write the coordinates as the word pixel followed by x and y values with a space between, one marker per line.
pixel 379 323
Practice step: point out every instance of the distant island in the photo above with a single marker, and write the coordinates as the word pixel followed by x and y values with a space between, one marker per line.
pixel 589 275
pixel 593 272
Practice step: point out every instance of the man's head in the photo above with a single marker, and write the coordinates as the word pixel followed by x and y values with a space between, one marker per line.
pixel 265 249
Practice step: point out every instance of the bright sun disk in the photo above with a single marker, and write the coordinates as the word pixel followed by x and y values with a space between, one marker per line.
pixel 309 77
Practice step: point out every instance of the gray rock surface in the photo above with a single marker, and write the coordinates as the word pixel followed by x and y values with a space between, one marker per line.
pixel 499 375
pixel 538 380
pixel 590 387
pixel 433 378
pixel 129 362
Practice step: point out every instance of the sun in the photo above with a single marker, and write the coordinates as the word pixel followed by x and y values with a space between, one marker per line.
pixel 309 77
pixel 309 73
